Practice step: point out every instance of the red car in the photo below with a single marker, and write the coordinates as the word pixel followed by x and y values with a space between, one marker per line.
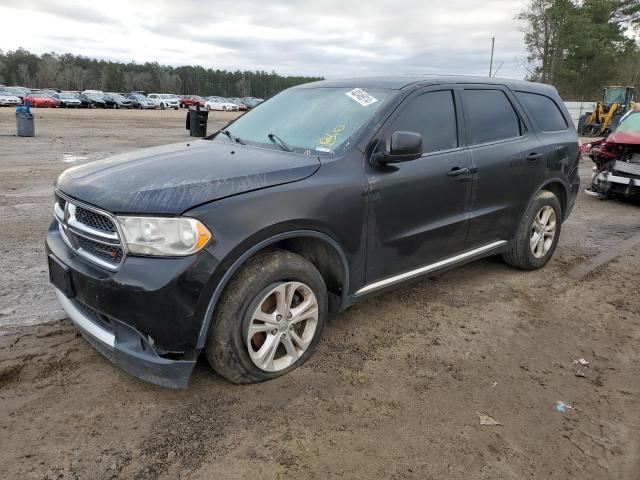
pixel 191 101
pixel 41 100
pixel 617 159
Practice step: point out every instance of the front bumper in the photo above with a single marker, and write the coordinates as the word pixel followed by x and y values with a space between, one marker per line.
pixel 146 317
pixel 126 347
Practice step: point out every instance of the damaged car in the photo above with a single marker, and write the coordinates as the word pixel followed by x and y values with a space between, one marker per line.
pixel 617 160
pixel 238 246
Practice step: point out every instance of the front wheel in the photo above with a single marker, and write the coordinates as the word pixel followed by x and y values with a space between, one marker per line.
pixel 162 106
pixel 269 319
pixel 538 233
pixel 207 108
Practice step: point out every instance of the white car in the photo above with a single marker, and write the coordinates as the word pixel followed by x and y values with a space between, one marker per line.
pixel 8 100
pixel 164 100
pixel 220 103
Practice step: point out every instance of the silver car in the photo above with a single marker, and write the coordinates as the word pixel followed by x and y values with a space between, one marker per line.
pixel 8 100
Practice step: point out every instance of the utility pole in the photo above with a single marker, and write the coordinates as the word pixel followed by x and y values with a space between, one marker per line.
pixel 493 43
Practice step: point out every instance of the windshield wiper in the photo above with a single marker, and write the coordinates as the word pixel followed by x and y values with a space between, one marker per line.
pixel 283 145
pixel 232 137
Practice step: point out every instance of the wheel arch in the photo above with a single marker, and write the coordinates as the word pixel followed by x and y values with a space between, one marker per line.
pixel 560 190
pixel 319 248
pixel 556 186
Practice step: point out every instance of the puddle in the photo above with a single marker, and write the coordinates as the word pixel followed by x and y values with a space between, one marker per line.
pixel 71 158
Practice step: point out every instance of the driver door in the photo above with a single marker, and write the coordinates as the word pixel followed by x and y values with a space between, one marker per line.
pixel 419 208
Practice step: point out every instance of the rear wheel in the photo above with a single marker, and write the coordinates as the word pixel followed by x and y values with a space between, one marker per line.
pixel 582 123
pixel 538 233
pixel 269 319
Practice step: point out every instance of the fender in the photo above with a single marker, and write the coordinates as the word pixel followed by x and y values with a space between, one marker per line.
pixel 235 266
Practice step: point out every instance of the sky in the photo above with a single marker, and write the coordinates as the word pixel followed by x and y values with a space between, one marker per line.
pixel 328 38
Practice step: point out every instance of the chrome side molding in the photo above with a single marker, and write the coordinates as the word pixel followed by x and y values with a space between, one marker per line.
pixel 429 268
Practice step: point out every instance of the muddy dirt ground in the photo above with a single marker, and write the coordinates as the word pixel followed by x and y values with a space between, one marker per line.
pixel 392 391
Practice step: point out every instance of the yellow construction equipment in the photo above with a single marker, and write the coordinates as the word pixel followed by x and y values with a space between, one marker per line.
pixel 616 101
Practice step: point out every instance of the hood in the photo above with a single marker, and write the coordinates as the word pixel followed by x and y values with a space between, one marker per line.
pixel 628 138
pixel 171 179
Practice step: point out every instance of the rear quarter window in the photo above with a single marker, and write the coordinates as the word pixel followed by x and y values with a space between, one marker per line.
pixel 544 112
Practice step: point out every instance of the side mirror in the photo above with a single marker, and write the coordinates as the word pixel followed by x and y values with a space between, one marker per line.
pixel 401 147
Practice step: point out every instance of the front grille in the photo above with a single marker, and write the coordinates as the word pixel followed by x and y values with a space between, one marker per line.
pixel 104 252
pixel 91 233
pixel 95 220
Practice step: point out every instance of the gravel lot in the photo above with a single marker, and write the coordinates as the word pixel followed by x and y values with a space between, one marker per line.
pixel 393 389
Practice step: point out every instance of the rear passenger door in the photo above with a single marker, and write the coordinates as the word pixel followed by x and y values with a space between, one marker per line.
pixel 555 131
pixel 508 162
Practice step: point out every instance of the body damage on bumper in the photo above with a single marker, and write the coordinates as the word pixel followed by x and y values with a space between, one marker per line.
pixel 128 348
pixel 145 317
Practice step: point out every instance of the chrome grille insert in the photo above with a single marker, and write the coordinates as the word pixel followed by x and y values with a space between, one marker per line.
pixel 92 233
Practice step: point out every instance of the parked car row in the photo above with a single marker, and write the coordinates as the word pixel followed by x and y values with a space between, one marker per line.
pixel 12 96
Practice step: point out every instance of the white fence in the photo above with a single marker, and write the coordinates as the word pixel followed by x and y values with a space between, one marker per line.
pixel 576 109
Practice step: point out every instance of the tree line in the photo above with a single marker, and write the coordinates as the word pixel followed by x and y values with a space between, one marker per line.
pixel 75 72
pixel 582 45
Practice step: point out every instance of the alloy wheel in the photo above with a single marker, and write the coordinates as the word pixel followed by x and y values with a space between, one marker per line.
pixel 543 231
pixel 282 326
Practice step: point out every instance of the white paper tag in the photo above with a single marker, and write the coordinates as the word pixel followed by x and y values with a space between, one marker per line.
pixel 362 97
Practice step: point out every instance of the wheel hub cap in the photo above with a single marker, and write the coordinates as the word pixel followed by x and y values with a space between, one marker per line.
pixel 282 326
pixel 543 231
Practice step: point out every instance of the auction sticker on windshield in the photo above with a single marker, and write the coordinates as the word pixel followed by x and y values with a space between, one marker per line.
pixel 362 97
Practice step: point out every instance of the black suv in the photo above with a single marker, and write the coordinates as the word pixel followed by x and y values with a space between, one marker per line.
pixel 240 244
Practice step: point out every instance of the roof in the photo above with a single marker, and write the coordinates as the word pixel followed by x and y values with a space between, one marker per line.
pixel 402 81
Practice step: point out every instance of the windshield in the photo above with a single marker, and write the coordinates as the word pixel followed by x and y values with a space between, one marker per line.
pixel 614 95
pixel 164 95
pixel 67 95
pixel 631 123
pixel 317 119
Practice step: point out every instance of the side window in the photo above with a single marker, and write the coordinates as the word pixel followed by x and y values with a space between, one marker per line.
pixel 433 115
pixel 489 116
pixel 543 111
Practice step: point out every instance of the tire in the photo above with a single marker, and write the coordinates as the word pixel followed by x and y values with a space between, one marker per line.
pixel 582 123
pixel 228 346
pixel 522 254
pixel 176 108
pixel 139 107
pixel 162 106
pixel 207 108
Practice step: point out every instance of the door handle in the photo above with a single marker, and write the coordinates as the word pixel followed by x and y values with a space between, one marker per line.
pixel 534 157
pixel 457 171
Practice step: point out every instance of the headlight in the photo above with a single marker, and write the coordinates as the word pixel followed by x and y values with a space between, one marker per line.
pixel 163 236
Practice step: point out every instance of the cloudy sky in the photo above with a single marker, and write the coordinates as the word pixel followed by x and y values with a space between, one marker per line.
pixel 330 38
